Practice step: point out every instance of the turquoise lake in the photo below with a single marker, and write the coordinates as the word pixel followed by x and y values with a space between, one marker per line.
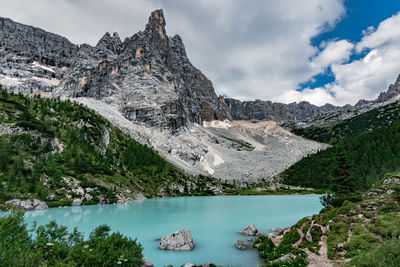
pixel 213 221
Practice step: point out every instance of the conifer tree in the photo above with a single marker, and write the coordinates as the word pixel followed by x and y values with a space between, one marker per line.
pixel 343 178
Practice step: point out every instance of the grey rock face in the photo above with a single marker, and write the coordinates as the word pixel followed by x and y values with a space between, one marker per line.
pixel 250 230
pixel 267 110
pixel 36 44
pixel 149 75
pixel 240 245
pixel 179 240
pixel 394 90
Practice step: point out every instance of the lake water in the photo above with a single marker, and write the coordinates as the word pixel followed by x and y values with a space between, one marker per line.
pixel 213 221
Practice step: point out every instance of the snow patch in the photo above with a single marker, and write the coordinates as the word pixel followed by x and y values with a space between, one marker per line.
pixel 225 124
pixel 36 64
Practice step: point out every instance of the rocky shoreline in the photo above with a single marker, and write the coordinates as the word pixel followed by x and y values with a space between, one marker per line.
pixel 27 204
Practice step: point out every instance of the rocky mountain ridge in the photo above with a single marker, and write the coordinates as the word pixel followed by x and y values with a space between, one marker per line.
pixel 148 75
pixel 304 111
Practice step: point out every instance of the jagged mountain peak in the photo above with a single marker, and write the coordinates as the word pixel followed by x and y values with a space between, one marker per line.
pixel 157 19
pixel 112 43
pixel 156 26
pixel 394 90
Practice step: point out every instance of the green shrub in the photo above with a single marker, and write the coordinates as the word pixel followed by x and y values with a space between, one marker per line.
pixel 387 225
pixel 290 238
pixel 360 241
pixel 53 245
pixel 264 244
pixel 390 206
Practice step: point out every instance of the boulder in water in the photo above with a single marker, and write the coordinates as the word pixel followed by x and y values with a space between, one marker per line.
pixel 179 240
pixel 146 263
pixel 240 245
pixel 249 230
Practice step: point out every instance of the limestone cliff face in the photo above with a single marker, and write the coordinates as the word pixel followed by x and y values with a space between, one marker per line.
pixel 35 44
pixel 148 76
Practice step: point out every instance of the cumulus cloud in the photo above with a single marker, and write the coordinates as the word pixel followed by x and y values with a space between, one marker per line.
pixel 249 49
pixel 366 77
pixel 334 52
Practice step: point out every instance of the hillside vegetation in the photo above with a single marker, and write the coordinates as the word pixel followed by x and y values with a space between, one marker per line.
pixel 57 151
pixel 371 141
pixel 362 233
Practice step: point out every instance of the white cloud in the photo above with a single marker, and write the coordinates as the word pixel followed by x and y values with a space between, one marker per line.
pixel 335 52
pixel 387 34
pixel 366 77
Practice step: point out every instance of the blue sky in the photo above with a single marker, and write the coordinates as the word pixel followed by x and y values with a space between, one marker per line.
pixel 321 51
pixel 360 14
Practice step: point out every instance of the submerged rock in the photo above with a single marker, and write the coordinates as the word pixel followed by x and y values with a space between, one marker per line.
pixel 179 240
pixel 276 230
pixel 240 245
pixel 249 230
pixel 146 263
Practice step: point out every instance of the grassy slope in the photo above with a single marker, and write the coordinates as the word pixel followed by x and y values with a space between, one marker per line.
pixel 365 233
pixel 50 147
pixel 372 141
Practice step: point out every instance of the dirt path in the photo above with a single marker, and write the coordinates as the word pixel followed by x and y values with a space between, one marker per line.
pixel 300 231
pixel 320 260
pixel 372 234
pixel 343 252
